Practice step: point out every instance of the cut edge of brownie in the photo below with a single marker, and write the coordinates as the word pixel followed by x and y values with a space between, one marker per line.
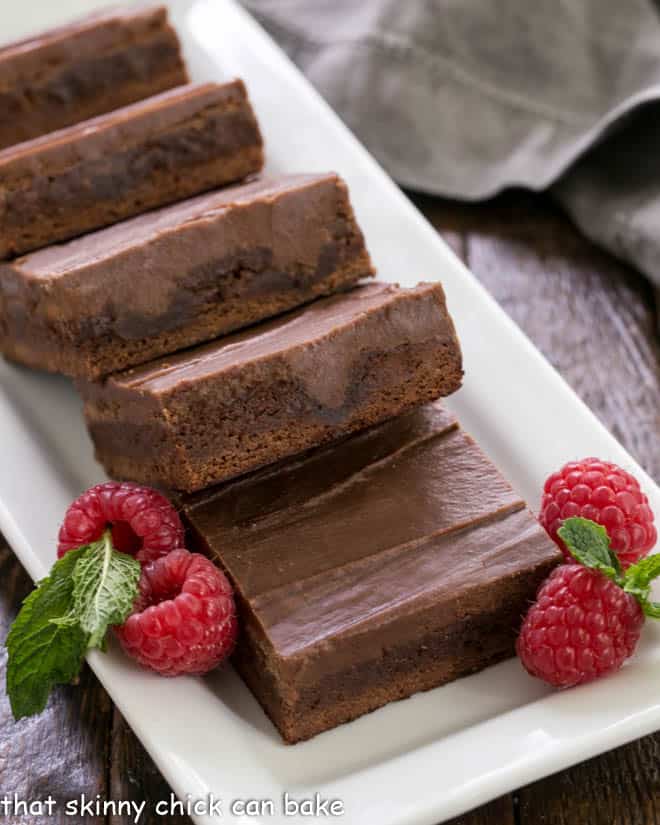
pixel 120 57
pixel 383 383
pixel 258 451
pixel 97 358
pixel 413 668
pixel 442 654
pixel 308 690
pixel 31 333
pixel 163 166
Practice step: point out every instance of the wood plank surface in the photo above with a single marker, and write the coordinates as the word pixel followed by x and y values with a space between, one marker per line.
pixel 133 776
pixel 595 319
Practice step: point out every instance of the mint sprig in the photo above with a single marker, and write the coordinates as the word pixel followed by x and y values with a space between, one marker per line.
pixel 44 651
pixel 589 544
pixel 68 613
pixel 105 583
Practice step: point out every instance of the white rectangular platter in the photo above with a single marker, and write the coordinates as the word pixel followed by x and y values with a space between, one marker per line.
pixel 418 761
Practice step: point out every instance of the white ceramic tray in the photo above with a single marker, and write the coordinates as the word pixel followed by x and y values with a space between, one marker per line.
pixel 414 762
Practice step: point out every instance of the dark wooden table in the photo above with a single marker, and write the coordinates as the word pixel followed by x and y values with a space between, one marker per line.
pixel 595 319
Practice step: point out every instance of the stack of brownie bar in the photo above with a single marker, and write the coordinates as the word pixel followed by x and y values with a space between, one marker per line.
pixel 227 350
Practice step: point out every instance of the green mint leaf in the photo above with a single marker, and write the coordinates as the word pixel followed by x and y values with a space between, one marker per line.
pixel 589 543
pixel 637 581
pixel 651 609
pixel 45 646
pixel 643 573
pixel 105 584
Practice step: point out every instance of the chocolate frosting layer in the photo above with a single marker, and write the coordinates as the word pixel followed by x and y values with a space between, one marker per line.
pixel 369 536
pixel 266 238
pixel 98 172
pixel 102 62
pixel 180 275
pixel 296 334
pixel 142 231
pixel 222 409
pixel 88 35
pixel 62 149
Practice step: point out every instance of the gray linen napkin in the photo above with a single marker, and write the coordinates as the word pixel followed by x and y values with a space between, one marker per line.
pixel 466 97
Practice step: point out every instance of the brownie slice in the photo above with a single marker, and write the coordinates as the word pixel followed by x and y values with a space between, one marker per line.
pixel 163 149
pixel 95 65
pixel 180 275
pixel 392 562
pixel 224 408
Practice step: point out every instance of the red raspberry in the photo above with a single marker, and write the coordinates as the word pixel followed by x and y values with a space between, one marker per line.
pixel 581 626
pixel 603 492
pixel 184 619
pixel 143 522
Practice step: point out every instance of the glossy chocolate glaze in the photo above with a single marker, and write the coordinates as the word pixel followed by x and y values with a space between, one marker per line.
pixel 397 535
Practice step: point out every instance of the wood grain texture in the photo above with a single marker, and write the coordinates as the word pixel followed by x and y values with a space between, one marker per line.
pixel 498 812
pixel 621 787
pixel 133 776
pixel 595 319
pixel 591 316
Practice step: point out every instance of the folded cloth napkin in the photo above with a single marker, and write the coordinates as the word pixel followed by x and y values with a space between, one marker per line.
pixel 466 97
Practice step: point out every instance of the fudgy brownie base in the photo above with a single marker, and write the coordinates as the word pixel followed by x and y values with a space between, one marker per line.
pixel 432 660
pixel 169 147
pixel 392 562
pixel 215 411
pixel 76 72
pixel 180 275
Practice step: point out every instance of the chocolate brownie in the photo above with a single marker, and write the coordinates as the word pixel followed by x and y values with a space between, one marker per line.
pixel 163 149
pixel 180 275
pixel 95 65
pixel 392 562
pixel 221 409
